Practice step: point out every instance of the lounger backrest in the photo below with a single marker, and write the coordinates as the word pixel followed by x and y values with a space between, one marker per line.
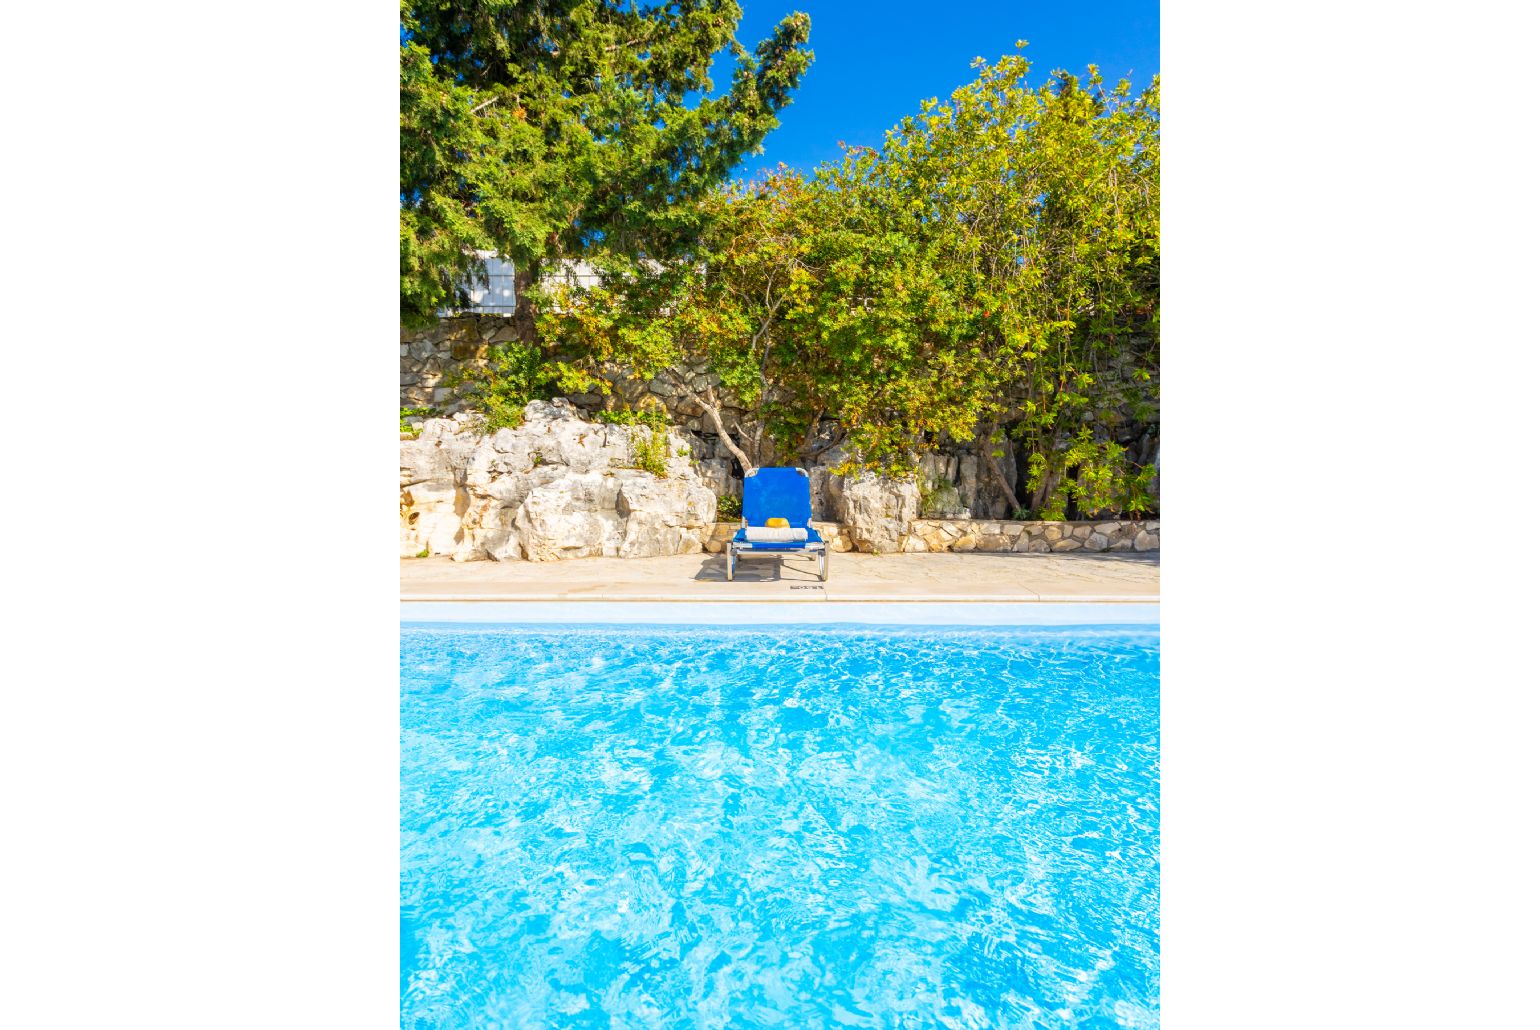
pixel 770 493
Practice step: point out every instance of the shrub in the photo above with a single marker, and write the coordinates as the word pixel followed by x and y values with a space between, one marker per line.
pixel 649 451
pixel 655 418
pixel 418 413
pixel 938 499
pixel 729 509
pixel 514 375
pixel 1098 477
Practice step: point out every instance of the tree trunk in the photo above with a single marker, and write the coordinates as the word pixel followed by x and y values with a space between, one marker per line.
pixel 1044 490
pixel 726 437
pixel 996 474
pixel 1000 481
pixel 712 408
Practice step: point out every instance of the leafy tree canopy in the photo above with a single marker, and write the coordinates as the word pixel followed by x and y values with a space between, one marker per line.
pixel 548 128
pixel 989 277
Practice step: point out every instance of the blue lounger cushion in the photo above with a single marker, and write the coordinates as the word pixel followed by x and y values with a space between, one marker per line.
pixel 743 543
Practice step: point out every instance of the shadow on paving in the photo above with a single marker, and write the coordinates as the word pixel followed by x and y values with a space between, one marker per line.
pixel 761 569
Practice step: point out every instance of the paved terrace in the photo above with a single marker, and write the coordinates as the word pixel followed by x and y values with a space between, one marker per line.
pixel 1116 576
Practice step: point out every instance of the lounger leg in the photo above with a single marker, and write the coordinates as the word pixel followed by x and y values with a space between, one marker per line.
pixel 823 565
pixel 730 557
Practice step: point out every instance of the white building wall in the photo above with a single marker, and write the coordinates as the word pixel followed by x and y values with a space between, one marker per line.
pixel 497 297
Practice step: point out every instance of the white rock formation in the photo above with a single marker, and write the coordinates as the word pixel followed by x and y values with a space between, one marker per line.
pixel 556 487
pixel 876 512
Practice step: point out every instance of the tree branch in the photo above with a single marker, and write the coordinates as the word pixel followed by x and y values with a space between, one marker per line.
pixel 711 407
pixel 986 451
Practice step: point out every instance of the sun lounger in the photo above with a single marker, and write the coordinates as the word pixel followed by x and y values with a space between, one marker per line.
pixel 777 519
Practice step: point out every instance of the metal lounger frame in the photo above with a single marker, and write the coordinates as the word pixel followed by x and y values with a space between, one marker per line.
pixel 820 550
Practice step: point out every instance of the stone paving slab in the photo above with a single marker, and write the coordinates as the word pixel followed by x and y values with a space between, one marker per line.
pixel 1110 577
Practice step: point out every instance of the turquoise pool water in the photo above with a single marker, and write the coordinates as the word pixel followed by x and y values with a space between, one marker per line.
pixel 842 826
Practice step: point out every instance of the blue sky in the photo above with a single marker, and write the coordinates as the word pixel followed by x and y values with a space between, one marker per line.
pixel 875 62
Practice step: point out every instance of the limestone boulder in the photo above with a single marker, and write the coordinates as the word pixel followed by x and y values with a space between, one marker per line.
pixel 876 511
pixel 663 516
pixel 556 487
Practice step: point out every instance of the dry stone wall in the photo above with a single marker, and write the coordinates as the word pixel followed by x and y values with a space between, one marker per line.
pixel 1032 537
pixel 429 356
pixel 997 537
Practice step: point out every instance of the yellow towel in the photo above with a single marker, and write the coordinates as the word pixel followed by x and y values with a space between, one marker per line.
pixel 777 523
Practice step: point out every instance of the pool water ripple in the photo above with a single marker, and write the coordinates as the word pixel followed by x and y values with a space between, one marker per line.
pixel 655 826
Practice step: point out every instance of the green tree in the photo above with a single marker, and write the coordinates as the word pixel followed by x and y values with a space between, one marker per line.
pixel 560 128
pixel 807 306
pixel 989 278
pixel 1041 208
pixel 731 303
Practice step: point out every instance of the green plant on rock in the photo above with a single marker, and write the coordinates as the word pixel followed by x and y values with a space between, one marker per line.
pixel 729 509
pixel 426 552
pixel 649 451
pixel 655 418
pixel 938 498
pixel 417 413
pixel 512 375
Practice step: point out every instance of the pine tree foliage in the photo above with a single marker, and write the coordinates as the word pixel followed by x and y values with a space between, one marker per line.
pixel 543 129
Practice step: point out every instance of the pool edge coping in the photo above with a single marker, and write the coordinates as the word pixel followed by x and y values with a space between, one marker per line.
pixel 750 612
pixel 539 598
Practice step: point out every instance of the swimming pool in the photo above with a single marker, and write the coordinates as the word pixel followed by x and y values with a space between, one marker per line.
pixel 833 824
